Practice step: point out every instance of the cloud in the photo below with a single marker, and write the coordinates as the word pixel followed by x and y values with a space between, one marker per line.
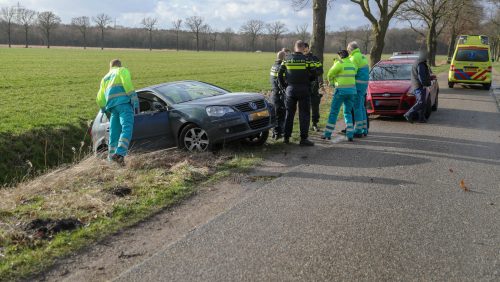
pixel 220 14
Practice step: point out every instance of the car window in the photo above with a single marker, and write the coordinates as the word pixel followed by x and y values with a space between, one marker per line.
pixel 182 92
pixel 391 72
pixel 472 55
pixel 150 102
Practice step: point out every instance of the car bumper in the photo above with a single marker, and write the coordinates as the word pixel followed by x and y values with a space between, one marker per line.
pixel 238 127
pixel 485 79
pixel 389 106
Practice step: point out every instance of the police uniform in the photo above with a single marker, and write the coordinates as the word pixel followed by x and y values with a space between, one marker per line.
pixel 315 95
pixel 118 97
pixel 278 98
pixel 342 76
pixel 296 72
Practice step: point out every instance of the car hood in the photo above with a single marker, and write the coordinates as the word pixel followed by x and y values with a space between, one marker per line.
pixel 389 86
pixel 229 99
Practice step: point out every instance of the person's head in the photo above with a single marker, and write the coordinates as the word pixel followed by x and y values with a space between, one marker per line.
pixel 299 46
pixel 352 46
pixel 116 63
pixel 343 54
pixel 306 48
pixel 422 56
pixel 281 55
pixel 286 50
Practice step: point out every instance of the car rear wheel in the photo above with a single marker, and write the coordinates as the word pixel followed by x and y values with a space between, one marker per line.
pixel 257 139
pixel 194 139
pixel 428 108
pixel 451 84
pixel 487 86
pixel 436 103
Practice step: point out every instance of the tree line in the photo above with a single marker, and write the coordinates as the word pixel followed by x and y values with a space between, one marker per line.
pixel 433 25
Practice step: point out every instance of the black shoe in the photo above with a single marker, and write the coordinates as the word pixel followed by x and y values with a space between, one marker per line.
pixel 306 142
pixel 350 139
pixel 358 135
pixel 408 119
pixel 326 138
pixel 343 131
pixel 120 160
pixel 286 140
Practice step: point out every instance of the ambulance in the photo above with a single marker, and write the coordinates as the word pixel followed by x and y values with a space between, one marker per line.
pixel 471 62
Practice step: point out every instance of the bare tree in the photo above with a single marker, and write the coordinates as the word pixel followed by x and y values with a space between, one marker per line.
pixel 366 37
pixel 7 15
pixel 26 18
pixel 462 18
pixel 102 21
pixel 346 34
pixel 319 8
pixel 212 36
pixel 82 23
pixel 149 24
pixel 276 30
pixel 302 32
pixel 227 36
pixel 253 29
pixel 433 14
pixel 386 11
pixel 196 25
pixel 177 28
pixel 48 21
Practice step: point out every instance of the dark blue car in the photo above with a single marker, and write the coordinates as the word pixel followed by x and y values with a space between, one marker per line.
pixel 193 115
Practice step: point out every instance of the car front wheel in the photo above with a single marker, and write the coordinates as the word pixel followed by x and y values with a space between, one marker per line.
pixel 436 103
pixel 194 139
pixel 428 108
pixel 257 139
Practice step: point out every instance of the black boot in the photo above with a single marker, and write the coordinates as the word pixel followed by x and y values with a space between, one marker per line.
pixel 306 142
pixel 120 160
pixel 286 140
pixel 316 128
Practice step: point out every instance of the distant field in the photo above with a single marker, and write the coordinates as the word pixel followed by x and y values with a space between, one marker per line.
pixel 47 96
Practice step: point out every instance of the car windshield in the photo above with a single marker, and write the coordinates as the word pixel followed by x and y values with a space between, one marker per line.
pixel 472 55
pixel 391 72
pixel 187 91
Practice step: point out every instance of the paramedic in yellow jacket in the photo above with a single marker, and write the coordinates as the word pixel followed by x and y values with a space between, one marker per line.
pixel 342 77
pixel 118 99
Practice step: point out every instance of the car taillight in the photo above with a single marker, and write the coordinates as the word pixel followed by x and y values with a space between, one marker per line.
pixel 489 69
pixel 452 67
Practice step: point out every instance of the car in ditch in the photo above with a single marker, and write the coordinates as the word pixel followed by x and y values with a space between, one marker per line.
pixel 192 115
pixel 389 89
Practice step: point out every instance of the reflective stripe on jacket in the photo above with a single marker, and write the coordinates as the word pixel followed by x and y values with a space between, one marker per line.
pixel 296 70
pixel 116 89
pixel 343 74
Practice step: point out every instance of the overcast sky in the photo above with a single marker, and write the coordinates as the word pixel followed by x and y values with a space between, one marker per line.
pixel 220 14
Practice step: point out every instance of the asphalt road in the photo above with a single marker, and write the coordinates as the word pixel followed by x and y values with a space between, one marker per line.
pixel 387 207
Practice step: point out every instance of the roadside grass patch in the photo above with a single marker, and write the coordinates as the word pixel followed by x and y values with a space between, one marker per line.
pixel 82 192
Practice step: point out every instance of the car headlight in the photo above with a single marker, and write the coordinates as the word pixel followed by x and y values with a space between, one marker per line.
pixel 218 111
pixel 410 94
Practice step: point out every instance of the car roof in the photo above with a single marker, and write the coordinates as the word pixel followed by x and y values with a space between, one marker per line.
pixel 396 62
pixel 152 87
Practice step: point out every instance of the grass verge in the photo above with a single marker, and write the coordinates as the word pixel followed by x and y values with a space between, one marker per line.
pixel 87 192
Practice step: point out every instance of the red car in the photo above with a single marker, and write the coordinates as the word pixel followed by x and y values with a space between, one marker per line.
pixel 389 89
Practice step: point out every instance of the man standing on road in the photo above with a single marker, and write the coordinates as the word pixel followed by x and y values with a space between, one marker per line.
pixel 342 76
pixel 117 98
pixel 278 97
pixel 296 72
pixel 315 86
pixel 420 79
pixel 362 77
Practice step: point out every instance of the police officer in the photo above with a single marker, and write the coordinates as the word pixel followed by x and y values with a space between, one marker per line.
pixel 296 72
pixel 362 77
pixel 117 98
pixel 278 97
pixel 342 77
pixel 315 86
pixel 420 79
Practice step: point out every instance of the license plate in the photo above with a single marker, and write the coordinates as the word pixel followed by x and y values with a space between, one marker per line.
pixel 470 68
pixel 258 115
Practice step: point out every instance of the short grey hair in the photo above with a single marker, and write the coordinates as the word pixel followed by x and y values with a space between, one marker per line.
pixel 352 46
